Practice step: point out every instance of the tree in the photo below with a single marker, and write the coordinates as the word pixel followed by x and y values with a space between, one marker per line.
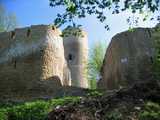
pixel 8 21
pixel 95 62
pixel 82 8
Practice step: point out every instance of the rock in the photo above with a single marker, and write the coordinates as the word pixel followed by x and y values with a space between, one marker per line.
pixel 128 59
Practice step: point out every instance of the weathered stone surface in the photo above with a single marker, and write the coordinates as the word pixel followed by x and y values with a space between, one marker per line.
pixel 128 59
pixel 76 54
pixel 32 63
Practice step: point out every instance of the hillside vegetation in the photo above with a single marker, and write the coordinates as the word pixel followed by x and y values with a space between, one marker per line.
pixel 139 102
pixel 36 110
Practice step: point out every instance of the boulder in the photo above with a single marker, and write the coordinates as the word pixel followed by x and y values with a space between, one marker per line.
pixel 128 59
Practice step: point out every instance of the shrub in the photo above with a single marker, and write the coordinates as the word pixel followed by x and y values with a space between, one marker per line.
pixel 115 115
pixel 151 112
pixel 3 114
pixel 94 93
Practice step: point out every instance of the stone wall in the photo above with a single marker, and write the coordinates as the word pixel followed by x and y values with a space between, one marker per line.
pixel 128 59
pixel 32 63
pixel 76 54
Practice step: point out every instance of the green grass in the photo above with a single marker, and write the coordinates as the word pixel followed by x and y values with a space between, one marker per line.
pixel 37 110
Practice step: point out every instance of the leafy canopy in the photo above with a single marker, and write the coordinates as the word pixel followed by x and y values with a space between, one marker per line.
pixel 82 8
pixel 95 63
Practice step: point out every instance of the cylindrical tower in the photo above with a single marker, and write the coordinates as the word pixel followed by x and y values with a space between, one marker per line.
pixel 76 53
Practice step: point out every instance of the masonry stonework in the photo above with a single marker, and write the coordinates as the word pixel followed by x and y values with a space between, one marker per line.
pixel 32 63
pixel 128 59
pixel 76 54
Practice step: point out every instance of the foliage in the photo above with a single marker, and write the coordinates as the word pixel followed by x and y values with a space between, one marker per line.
pixel 150 112
pixel 95 63
pixel 131 29
pixel 8 21
pixel 94 93
pixel 74 31
pixel 93 84
pixel 99 8
pixel 3 114
pixel 156 62
pixel 37 110
pixel 115 115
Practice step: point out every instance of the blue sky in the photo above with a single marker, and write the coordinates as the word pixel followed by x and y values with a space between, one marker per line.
pixel 33 12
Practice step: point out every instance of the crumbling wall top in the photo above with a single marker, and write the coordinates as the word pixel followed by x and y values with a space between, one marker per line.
pixel 25 40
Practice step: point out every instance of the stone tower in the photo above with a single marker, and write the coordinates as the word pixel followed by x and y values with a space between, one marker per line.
pixel 76 54
pixel 32 63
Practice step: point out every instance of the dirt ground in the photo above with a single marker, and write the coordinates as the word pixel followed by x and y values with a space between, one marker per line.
pixel 124 103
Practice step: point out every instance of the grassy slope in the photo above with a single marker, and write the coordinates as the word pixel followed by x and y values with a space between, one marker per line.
pixel 140 102
pixel 37 110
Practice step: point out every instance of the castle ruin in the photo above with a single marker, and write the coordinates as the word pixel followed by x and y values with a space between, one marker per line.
pixel 33 64
pixel 76 54
pixel 128 59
